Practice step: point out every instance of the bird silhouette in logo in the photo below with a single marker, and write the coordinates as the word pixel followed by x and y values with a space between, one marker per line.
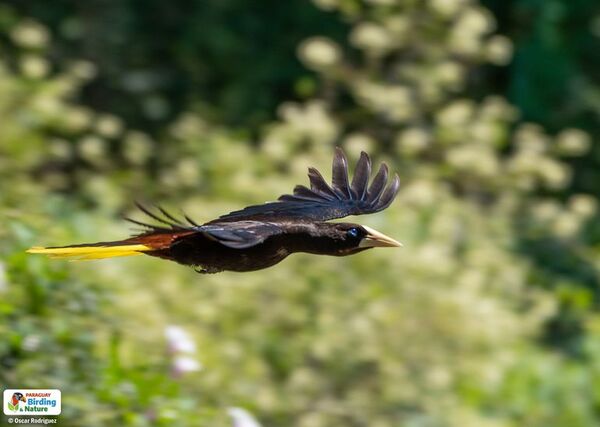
pixel 14 401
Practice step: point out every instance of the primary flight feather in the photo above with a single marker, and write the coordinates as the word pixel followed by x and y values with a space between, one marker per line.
pixel 260 236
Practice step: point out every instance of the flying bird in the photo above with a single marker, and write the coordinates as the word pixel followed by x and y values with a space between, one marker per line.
pixel 261 236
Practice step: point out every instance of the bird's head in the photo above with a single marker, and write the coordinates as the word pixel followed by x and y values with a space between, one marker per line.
pixel 17 397
pixel 349 238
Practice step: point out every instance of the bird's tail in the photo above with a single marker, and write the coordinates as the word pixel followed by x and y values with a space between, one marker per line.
pixel 152 243
pixel 93 251
pixel 156 241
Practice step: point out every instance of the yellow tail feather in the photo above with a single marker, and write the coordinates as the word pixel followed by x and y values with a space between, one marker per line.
pixel 90 252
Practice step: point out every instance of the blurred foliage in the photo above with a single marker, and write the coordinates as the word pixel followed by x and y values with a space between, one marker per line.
pixel 488 316
pixel 161 58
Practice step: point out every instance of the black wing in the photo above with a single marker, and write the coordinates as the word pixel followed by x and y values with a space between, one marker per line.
pixel 236 235
pixel 322 202
pixel 240 234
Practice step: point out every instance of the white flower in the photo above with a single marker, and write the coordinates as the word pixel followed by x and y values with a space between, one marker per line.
pixel 311 120
pixel 583 205
pixel 356 142
pixel 470 27
pixel 242 418
pixel 319 53
pixel 545 211
pixel 60 148
pixel 187 171
pixel 382 2
pixel 84 70
pixel 446 8
pixel 31 343
pixel 78 118
pixel 449 73
pixel 274 145
pixel 317 418
pixel 30 34
pixel 137 147
pixel 464 43
pixel 573 142
pixel 109 126
pixel 47 104
pixel 497 108
pixel 555 174
pixel 477 159
pixel 420 193
pixel 412 141
pixel 92 148
pixel 184 364
pixel 398 25
pixel 485 131
pixel 566 225
pixel 34 66
pixel 456 114
pixel 179 341
pixel 438 377
pixel 499 50
pixel 530 138
pixel 371 37
pixel 392 101
pixel 476 21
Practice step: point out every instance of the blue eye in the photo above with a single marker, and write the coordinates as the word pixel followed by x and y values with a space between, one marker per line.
pixel 353 232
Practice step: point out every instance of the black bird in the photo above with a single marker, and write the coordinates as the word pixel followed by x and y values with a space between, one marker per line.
pixel 260 236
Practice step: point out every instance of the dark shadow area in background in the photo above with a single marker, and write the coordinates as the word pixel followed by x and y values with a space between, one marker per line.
pixel 235 60
pixel 555 73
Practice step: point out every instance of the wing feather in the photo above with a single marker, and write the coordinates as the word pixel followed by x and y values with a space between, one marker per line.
pixel 319 185
pixel 339 175
pixel 191 221
pixel 301 193
pixel 168 221
pixel 241 234
pixel 362 173
pixel 171 217
pixel 322 202
pixel 237 235
pixel 378 185
pixel 390 192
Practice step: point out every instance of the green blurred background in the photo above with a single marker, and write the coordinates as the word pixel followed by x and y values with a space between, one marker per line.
pixel 490 111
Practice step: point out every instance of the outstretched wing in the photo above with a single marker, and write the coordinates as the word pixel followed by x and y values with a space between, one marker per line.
pixel 237 235
pixel 322 202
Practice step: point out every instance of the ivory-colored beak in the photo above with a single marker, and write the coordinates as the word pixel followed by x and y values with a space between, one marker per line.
pixel 376 239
